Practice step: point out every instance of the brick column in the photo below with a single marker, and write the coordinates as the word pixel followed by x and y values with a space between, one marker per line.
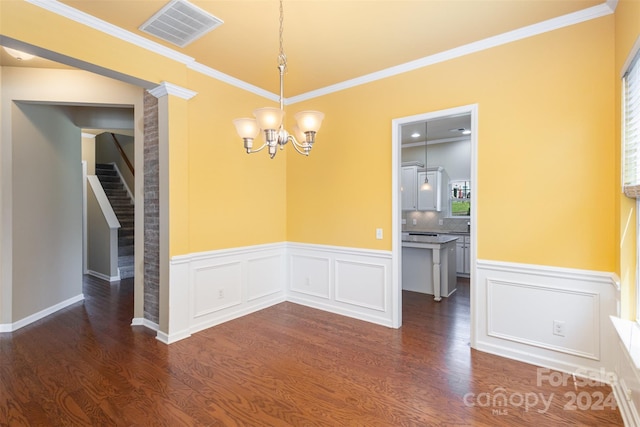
pixel 151 211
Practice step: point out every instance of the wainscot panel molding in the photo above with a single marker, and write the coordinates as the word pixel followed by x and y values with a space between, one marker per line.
pixel 210 288
pixel 627 381
pixel 347 281
pixel 11 327
pixel 556 318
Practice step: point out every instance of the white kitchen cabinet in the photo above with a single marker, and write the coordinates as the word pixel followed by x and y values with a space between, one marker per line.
pixel 409 188
pixel 463 256
pixel 430 197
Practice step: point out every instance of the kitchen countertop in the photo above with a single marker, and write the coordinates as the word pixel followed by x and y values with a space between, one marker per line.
pixel 423 232
pixel 432 240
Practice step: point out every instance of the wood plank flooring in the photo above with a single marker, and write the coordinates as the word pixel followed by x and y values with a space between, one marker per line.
pixel 287 365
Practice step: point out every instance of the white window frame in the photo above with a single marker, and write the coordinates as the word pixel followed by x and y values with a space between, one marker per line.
pixel 631 184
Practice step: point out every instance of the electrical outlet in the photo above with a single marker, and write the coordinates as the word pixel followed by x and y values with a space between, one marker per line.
pixel 414 221
pixel 404 221
pixel 440 222
pixel 220 293
pixel 558 328
pixel 379 233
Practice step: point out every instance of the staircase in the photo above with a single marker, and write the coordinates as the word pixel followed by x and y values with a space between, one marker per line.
pixel 123 208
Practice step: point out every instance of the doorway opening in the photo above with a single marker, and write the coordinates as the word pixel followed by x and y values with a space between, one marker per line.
pixel 448 156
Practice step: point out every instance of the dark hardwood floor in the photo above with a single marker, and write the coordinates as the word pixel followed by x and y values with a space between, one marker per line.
pixel 287 365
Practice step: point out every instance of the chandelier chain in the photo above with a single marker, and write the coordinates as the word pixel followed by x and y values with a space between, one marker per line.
pixel 282 58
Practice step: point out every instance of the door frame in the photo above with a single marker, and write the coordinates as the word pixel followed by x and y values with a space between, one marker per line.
pixel 396 216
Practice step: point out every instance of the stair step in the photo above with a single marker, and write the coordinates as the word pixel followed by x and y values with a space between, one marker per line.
pixel 126 272
pixel 120 202
pixel 125 260
pixel 106 173
pixel 125 233
pixel 113 185
pixel 125 241
pixel 118 194
pixel 124 209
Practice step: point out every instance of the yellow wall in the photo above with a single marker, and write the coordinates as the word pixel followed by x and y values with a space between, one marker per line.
pixel 220 197
pixel 34 25
pixel 237 199
pixel 546 166
pixel 547 150
pixel 627 21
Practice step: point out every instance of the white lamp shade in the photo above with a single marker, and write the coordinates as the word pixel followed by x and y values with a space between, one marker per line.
pixel 268 118
pixel 18 54
pixel 247 128
pixel 309 121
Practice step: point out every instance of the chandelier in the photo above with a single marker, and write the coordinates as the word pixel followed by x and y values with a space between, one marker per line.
pixel 269 119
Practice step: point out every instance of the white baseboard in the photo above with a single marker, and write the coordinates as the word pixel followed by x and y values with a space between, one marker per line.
pixel 11 327
pixel 140 321
pixel 104 276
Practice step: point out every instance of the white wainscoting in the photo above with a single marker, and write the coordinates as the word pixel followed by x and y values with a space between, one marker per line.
pixel 346 281
pixel 517 304
pixel 210 288
pixel 627 382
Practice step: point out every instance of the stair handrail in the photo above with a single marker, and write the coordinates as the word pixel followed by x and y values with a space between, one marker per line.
pixel 123 154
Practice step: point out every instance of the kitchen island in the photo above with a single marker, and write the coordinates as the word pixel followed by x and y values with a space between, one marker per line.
pixel 429 264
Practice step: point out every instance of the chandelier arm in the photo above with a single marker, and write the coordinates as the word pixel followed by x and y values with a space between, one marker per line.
pixel 297 146
pixel 262 147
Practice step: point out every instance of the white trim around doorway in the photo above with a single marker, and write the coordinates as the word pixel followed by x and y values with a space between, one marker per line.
pixel 396 217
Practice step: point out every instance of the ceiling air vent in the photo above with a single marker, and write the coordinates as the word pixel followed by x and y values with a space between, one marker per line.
pixel 180 23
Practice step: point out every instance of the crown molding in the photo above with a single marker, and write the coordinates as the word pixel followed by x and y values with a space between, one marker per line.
pixel 594 12
pixel 166 88
pixel 488 43
pixel 218 75
pixel 91 21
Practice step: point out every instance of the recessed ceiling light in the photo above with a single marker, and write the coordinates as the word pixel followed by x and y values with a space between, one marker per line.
pixel 415 135
pixel 461 130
